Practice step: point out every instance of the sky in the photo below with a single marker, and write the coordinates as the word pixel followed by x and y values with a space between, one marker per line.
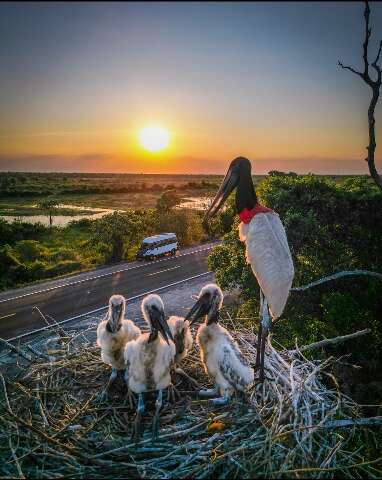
pixel 78 81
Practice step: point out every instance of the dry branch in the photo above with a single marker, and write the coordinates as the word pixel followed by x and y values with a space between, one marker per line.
pixel 285 425
pixel 332 341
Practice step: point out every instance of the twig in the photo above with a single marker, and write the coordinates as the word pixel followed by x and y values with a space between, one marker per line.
pixel 332 341
pixel 335 276
pixel 16 350
pixel 354 422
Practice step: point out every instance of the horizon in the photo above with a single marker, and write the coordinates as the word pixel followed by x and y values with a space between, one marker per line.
pixel 223 79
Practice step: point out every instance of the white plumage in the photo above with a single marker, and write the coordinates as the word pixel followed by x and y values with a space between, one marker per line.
pixel 180 329
pixel 223 360
pixel 149 360
pixel 115 332
pixel 267 251
pixel 220 354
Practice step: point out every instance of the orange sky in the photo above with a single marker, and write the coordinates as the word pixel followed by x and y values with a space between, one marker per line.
pixel 225 79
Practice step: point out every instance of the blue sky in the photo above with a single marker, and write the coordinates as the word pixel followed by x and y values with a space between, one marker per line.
pixel 260 79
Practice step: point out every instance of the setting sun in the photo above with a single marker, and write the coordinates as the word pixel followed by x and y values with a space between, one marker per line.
pixel 154 138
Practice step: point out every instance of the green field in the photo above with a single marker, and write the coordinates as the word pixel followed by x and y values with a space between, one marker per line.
pixel 20 192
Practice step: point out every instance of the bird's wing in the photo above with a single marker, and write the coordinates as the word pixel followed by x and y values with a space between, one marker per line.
pixel 236 350
pixel 129 351
pixel 230 368
pixel 100 332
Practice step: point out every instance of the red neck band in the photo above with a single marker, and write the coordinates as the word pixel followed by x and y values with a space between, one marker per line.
pixel 247 215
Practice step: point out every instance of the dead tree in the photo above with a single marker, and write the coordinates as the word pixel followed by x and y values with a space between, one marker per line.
pixel 375 87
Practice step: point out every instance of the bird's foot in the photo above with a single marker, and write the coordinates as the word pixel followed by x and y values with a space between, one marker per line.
pixel 208 392
pixel 130 398
pixel 172 393
pixel 220 401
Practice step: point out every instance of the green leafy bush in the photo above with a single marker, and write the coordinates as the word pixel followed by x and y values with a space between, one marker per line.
pixel 330 227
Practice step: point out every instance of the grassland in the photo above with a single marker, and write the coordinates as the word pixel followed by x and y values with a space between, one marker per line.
pixel 20 192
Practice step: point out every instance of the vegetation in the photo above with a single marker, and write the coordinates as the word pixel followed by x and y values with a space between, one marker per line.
pixel 21 184
pixel 32 252
pixel 331 227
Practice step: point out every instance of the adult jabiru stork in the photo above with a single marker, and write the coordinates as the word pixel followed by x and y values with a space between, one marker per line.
pixel 267 249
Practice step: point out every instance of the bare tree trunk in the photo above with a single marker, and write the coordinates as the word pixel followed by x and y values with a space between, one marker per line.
pixel 372 143
pixel 375 87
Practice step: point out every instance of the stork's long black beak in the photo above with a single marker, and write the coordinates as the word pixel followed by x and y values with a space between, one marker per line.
pixel 115 319
pixel 229 183
pixel 200 309
pixel 158 321
pixel 116 312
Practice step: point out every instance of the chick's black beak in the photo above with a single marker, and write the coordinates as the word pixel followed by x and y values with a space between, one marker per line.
pixel 158 321
pixel 199 310
pixel 116 312
pixel 229 183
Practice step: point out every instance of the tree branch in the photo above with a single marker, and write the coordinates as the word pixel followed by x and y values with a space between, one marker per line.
pixel 375 63
pixel 335 276
pixel 366 42
pixel 347 67
pixel 332 341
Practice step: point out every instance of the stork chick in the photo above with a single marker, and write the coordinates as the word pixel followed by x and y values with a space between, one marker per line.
pixel 220 354
pixel 113 333
pixel 149 359
pixel 180 329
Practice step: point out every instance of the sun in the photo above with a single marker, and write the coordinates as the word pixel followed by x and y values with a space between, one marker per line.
pixel 154 138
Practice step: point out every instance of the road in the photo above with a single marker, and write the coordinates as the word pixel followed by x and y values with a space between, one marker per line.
pixel 80 295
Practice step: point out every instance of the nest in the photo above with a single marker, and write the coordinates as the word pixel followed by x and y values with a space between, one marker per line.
pixel 296 424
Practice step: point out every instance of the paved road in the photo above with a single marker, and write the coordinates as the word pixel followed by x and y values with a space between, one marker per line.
pixel 83 294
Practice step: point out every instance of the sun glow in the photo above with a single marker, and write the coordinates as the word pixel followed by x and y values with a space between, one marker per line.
pixel 154 138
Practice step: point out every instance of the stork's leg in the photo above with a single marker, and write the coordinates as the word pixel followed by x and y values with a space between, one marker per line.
pixel 105 392
pixel 259 341
pixel 266 325
pixel 262 354
pixel 209 392
pixel 220 401
pixel 129 395
pixel 260 332
pixel 137 425
pixel 158 406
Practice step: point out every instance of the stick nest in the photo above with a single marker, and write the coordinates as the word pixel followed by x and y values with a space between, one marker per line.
pixel 53 423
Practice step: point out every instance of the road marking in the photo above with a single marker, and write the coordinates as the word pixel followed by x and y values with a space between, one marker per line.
pixel 103 275
pixel 6 316
pixel 161 271
pixel 105 307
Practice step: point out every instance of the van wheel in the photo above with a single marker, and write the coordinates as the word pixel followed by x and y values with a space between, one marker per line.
pixel 173 253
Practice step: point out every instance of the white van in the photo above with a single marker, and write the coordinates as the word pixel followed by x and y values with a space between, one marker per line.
pixel 158 246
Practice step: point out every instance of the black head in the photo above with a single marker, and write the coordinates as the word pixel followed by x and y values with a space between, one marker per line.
pixel 238 175
pixel 208 305
pixel 153 311
pixel 116 313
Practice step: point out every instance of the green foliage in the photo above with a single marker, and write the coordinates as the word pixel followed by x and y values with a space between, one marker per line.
pixel 118 231
pixel 186 224
pixel 330 227
pixel 167 201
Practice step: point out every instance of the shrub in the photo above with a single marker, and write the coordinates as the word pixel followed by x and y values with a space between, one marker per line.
pixel 330 227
